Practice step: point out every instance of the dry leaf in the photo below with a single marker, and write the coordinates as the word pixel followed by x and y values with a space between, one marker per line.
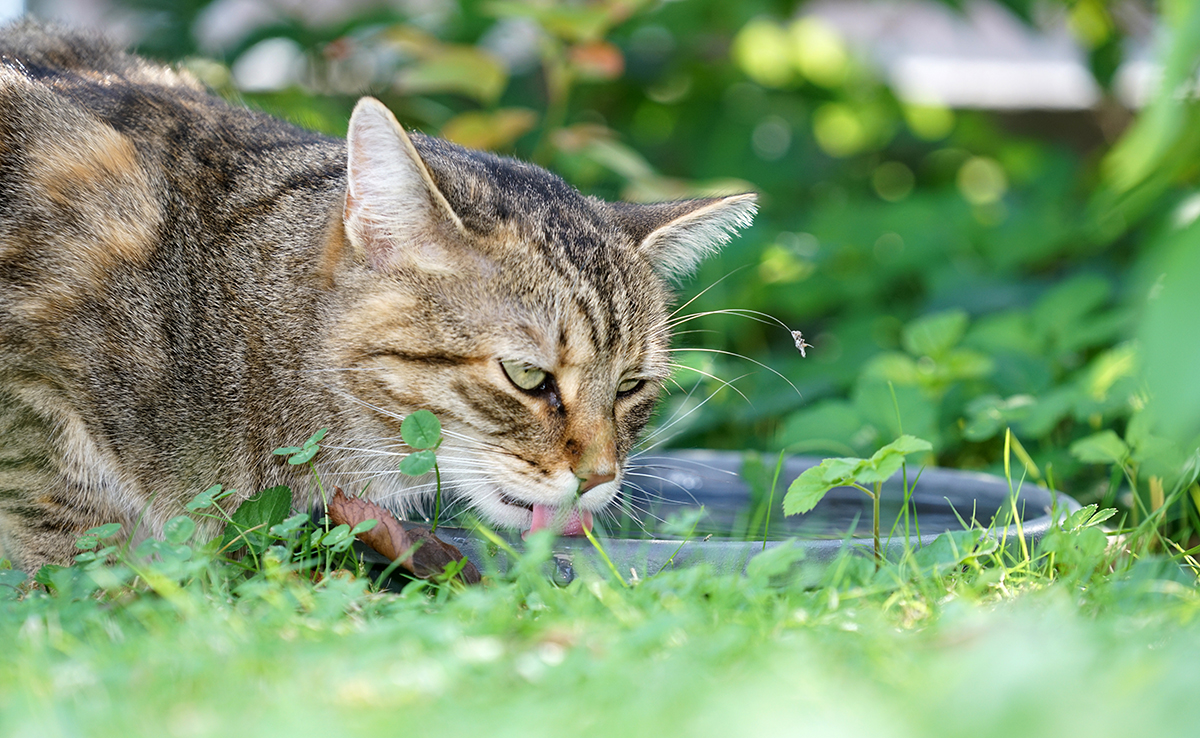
pixel 391 539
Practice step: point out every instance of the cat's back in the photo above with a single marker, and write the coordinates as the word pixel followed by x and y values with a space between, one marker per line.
pixel 60 69
pixel 90 134
pixel 110 162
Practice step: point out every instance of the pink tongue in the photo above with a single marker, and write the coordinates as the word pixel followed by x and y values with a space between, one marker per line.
pixel 545 516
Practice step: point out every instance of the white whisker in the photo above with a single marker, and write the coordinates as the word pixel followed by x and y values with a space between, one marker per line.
pixel 747 358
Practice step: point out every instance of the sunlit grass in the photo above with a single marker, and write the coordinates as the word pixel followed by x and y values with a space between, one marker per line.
pixel 977 636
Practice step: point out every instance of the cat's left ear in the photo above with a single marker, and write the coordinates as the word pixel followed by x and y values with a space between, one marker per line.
pixel 394 209
pixel 677 236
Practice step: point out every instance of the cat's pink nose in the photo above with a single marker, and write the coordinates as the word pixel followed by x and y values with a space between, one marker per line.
pixel 592 480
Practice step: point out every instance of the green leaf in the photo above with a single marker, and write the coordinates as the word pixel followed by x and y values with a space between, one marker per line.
pixel 268 509
pixel 148 548
pixel 206 498
pixel 336 535
pixel 461 69
pixel 315 438
pixel 489 129
pixel 304 456
pixel 287 450
pixel 1170 352
pixel 418 463
pixel 1087 516
pixel 904 445
pixel 829 426
pixel 364 526
pixel 1076 519
pixel 1081 548
pixel 108 530
pixel 949 549
pixel 873 399
pixel 179 529
pixel 964 363
pixel 880 470
pixel 47 576
pixel 935 334
pixel 887 461
pixel 809 487
pixel 421 430
pixel 567 21
pixel 12 578
pixel 840 469
pixel 1104 447
pixel 989 414
pixel 290 526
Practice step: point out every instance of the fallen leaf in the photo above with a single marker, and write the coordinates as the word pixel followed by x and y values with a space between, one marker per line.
pixel 391 539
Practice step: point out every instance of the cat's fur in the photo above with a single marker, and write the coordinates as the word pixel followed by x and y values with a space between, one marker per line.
pixel 186 285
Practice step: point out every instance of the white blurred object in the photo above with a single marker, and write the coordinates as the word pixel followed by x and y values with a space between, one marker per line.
pixel 269 65
pixel 984 56
pixel 10 9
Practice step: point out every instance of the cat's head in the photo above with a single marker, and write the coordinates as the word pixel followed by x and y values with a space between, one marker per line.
pixel 533 321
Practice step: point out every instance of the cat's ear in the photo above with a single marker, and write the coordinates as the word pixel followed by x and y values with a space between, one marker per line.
pixel 677 236
pixel 394 208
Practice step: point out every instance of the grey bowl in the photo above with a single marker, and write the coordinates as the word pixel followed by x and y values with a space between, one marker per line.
pixel 729 532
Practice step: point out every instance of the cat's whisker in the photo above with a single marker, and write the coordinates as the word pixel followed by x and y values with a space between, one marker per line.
pixel 715 378
pixel 675 416
pixel 683 464
pixel 370 406
pixel 747 358
pixel 755 315
pixel 676 420
pixel 363 450
pixel 690 331
pixel 702 292
pixel 667 480
pixel 637 512
pixel 470 439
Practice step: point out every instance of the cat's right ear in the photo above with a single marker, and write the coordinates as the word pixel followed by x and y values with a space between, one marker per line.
pixel 394 209
pixel 676 236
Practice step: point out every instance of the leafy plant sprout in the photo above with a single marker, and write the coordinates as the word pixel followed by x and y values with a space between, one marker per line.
pixel 814 483
pixel 304 454
pixel 422 431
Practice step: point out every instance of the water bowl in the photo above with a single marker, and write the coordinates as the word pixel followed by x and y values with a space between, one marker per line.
pixel 722 520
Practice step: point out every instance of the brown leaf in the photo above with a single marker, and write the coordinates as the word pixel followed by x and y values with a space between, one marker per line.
pixel 391 539
pixel 597 60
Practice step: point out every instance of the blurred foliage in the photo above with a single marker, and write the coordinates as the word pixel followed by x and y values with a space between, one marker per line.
pixel 954 278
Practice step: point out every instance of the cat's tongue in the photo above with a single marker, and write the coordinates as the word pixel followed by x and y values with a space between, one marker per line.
pixel 545 516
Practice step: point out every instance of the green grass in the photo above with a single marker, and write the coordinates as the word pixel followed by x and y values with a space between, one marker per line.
pixel 968 640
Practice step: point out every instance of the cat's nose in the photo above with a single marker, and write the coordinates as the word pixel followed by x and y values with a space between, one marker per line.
pixel 593 480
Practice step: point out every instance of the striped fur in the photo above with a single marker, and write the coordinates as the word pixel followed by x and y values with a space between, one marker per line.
pixel 186 285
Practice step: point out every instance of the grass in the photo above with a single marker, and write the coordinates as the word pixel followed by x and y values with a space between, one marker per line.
pixel 974 638
pixel 975 634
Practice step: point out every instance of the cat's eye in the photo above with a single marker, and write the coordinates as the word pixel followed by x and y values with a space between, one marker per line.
pixel 525 376
pixel 629 386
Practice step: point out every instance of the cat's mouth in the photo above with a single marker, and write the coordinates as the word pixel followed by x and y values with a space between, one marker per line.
pixel 571 522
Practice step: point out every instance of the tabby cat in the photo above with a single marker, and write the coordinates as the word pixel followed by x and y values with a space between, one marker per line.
pixel 186 285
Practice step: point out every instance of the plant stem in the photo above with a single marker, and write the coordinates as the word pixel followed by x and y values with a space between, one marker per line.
pixel 604 555
pixel 875 522
pixel 874 516
pixel 771 499
pixel 324 495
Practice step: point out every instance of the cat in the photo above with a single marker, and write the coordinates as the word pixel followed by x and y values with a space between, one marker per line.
pixel 186 285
